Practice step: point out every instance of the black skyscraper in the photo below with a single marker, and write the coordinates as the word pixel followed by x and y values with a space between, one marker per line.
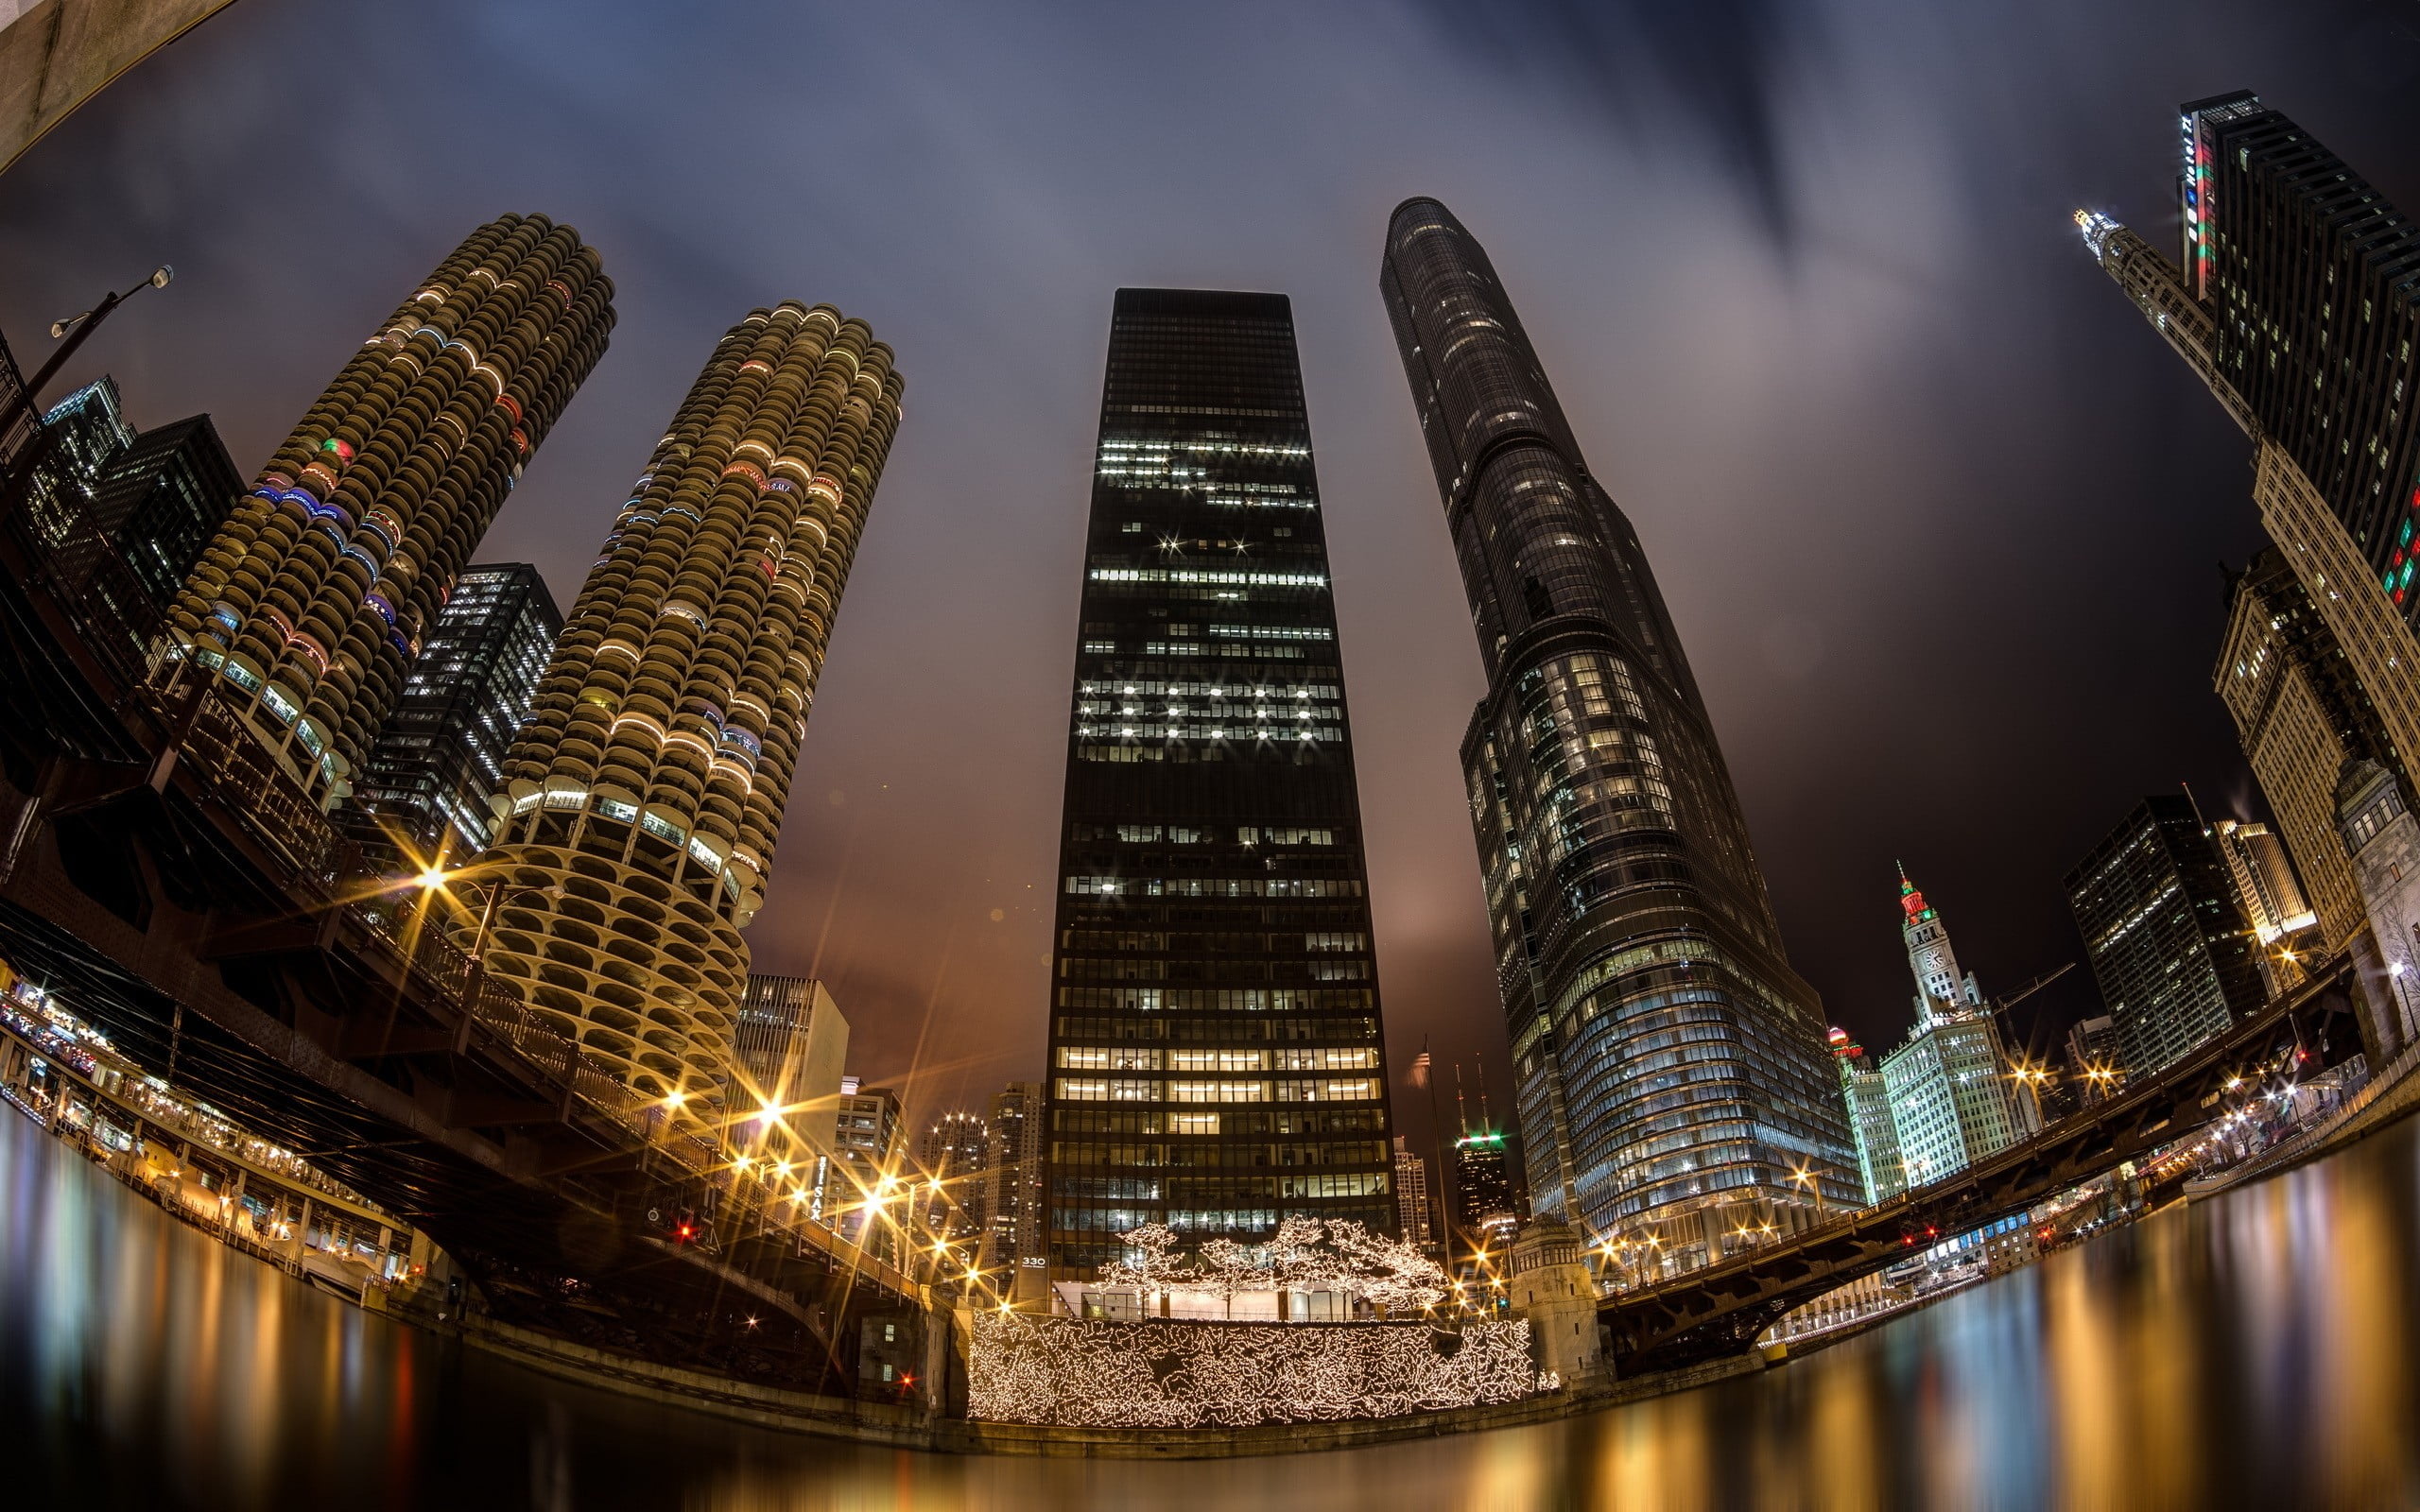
pixel 1667 1062
pixel 2313 281
pixel 2170 950
pixel 1216 1060
pixel 162 498
pixel 440 756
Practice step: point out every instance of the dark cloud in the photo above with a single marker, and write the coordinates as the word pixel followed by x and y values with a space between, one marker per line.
pixel 1716 69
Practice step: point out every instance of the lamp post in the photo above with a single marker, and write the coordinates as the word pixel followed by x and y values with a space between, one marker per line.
pixel 74 329
pixel 432 882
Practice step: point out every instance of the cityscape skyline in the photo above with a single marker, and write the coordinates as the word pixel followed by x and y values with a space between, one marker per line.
pixel 1407 940
pixel 405 928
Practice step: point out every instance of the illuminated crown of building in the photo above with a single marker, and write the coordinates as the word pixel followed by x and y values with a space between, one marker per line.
pixel 312 598
pixel 642 797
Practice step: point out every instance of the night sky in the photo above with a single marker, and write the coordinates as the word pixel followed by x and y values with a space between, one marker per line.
pixel 1939 516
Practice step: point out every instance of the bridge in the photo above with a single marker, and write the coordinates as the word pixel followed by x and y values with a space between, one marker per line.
pixel 161 870
pixel 1721 1309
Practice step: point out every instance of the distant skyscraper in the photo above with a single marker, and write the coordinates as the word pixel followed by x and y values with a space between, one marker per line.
pixel 2301 714
pixel 1947 1085
pixel 1215 1044
pixel 79 436
pixel 312 599
pixel 1412 1196
pixel 2269 896
pixel 123 514
pixel 438 758
pixel 2095 1059
pixel 652 777
pixel 161 500
pixel 2170 948
pixel 1869 1103
pixel 867 1135
pixel 1013 1187
pixel 1484 1208
pixel 786 1055
pixel 956 1150
pixel 1668 1061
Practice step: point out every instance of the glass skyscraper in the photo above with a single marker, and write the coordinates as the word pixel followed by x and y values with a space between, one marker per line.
pixel 1215 1049
pixel 2167 944
pixel 1670 1067
pixel 2312 281
pixel 440 757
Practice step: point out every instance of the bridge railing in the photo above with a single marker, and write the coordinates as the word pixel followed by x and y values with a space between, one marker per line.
pixel 236 762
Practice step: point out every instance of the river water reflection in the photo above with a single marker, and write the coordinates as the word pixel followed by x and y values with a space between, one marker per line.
pixel 2255 1350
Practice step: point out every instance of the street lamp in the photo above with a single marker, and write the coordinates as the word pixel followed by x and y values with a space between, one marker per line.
pixel 74 328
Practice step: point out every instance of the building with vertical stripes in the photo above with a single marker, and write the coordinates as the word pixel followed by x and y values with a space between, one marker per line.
pixel 1216 1059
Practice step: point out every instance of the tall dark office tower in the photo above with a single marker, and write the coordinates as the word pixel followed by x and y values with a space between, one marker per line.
pixel 123 514
pixel 1668 1061
pixel 2314 281
pixel 1214 1044
pixel 440 757
pixel 162 498
pixel 2168 945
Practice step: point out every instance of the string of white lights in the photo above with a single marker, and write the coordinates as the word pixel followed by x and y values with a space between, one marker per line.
pixel 1306 1255
pixel 1071 1373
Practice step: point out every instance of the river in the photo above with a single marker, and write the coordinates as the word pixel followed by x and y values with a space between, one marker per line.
pixel 2252 1350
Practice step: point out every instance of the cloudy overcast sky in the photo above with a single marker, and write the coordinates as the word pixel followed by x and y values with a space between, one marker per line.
pixel 1939 518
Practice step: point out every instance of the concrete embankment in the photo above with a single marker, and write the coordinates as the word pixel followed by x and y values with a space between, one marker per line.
pixel 2388 1098
pixel 906 1428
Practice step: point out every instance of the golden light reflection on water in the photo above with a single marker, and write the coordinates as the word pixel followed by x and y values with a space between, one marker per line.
pixel 2252 1350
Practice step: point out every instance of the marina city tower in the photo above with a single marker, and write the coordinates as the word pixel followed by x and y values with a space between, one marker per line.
pixel 1669 1065
pixel 642 797
pixel 312 599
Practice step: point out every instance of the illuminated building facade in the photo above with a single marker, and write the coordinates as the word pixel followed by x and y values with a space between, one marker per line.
pixel 786 1054
pixel 1869 1103
pixel 1013 1189
pixel 1668 1061
pixel 2383 841
pixel 2300 713
pixel 1484 1207
pixel 868 1132
pixel 438 758
pixel 1215 1048
pixel 1414 1213
pixel 642 797
pixel 312 600
pixel 2167 944
pixel 956 1150
pixel 1947 1085
pixel 78 436
pixel 2308 275
pixel 2095 1059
